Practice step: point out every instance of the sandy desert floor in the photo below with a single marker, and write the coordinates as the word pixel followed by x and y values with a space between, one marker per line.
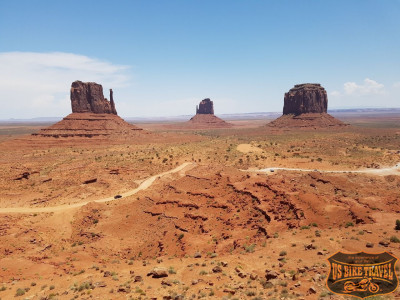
pixel 218 211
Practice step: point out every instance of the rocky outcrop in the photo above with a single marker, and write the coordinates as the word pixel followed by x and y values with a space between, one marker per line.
pixel 203 119
pixel 305 107
pixel 93 116
pixel 113 110
pixel 87 97
pixel 305 98
pixel 206 107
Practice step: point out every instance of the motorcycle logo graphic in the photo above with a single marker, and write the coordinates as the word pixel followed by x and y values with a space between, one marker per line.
pixel 362 274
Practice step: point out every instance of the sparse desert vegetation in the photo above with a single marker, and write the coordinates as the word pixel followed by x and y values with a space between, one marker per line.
pixel 215 229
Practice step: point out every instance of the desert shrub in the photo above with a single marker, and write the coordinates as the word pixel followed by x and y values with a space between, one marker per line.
pixel 266 284
pixel 283 283
pixel 20 292
pixel 394 239
pixel 397 224
pixel 250 293
pixel 348 224
pixel 250 248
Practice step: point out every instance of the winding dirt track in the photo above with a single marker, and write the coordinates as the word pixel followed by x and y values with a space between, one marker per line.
pixel 395 170
pixel 385 171
pixel 144 185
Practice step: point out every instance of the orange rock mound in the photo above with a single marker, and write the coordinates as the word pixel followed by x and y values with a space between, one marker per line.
pixel 308 120
pixel 208 121
pixel 90 125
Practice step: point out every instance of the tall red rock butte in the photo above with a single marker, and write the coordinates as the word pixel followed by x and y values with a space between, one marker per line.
pixel 92 116
pixel 305 98
pixel 305 106
pixel 205 106
pixel 88 97
pixel 205 117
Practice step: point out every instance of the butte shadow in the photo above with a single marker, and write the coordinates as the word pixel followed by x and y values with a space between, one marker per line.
pixel 305 106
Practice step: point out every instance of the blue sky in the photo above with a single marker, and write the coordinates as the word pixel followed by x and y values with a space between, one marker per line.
pixel 162 57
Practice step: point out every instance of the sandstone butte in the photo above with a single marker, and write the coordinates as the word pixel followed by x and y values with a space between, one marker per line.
pixel 305 106
pixel 92 116
pixel 88 97
pixel 205 117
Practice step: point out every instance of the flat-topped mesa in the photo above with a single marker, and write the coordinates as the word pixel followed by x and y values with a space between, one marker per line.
pixel 305 107
pixel 88 97
pixel 305 98
pixel 206 107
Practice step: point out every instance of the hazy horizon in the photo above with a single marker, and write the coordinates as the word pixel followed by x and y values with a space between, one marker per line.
pixel 229 116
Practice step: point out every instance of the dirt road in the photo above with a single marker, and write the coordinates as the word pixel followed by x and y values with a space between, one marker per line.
pixel 144 185
pixel 395 170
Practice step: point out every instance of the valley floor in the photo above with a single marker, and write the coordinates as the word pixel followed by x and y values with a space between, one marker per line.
pixel 91 219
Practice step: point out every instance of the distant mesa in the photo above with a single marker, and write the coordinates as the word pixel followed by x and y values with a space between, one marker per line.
pixel 205 117
pixel 305 106
pixel 92 116
pixel 88 97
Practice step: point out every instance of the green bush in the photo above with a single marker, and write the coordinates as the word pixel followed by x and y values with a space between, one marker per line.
pixel 397 224
pixel 20 292
pixel 250 248
pixel 348 224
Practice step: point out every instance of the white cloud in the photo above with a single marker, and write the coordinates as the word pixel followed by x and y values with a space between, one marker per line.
pixel 37 84
pixel 369 87
pixel 335 94
pixel 396 85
